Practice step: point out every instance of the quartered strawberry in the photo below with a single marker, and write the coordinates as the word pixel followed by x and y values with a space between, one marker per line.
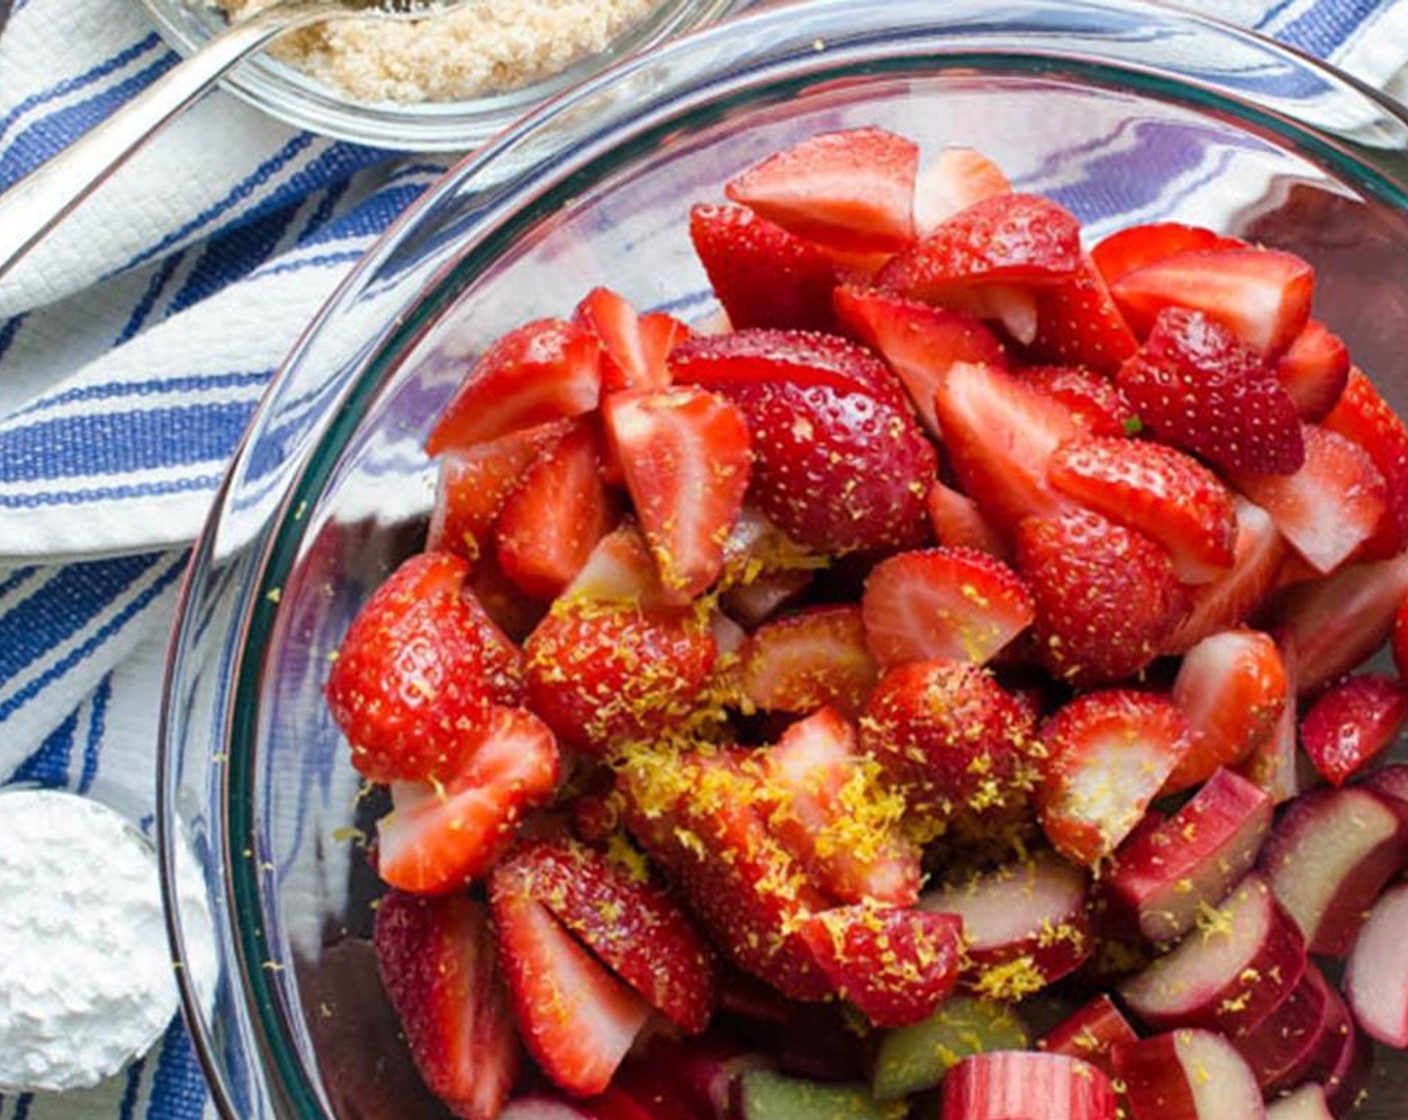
pixel 1362 415
pixel 624 919
pixel 959 523
pixel 852 191
pixel 620 571
pixel 1197 386
pixel 807 660
pixel 1172 499
pixel 1096 403
pixel 407 688
pixel 763 275
pixel 556 514
pixel 943 603
pixel 1352 722
pixel 1262 295
pixel 895 966
pixel 1136 246
pixel 544 370
pixel 686 455
pixel 437 963
pixel 602 675
pixel 1107 597
pixel 1314 370
pixel 952 181
pixel 439 836
pixel 1110 754
pixel 1078 323
pixel 633 346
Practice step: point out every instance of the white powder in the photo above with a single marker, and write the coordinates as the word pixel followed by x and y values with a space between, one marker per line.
pixel 486 48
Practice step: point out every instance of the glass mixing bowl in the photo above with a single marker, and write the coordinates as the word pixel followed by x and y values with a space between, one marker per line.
pixel 1120 110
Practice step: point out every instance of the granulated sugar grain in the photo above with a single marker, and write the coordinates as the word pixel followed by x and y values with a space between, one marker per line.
pixel 487 48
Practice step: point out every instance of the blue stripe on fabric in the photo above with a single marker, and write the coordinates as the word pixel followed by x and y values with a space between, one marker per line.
pixel 323 211
pixel 322 261
pixel 1273 13
pixel 1323 29
pixel 232 254
pixel 49 765
pixel 22 1106
pixel 178 1086
pixel 138 319
pixel 97 726
pixel 9 331
pixel 116 390
pixel 78 81
pixel 17 578
pixel 121 492
pixel 131 1089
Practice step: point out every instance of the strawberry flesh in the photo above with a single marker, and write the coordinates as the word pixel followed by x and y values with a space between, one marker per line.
pixel 1353 722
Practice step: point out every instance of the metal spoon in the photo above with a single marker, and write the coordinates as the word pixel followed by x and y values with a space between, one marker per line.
pixel 40 200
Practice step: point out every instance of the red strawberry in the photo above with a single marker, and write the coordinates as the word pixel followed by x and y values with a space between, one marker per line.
pixel 895 966
pixel 755 358
pixel 806 660
pixel 1107 598
pixel 513 614
pixel 1172 499
pixel 1078 323
pixel 436 960
pixel 633 346
pixel 544 370
pixel 1136 246
pixel 555 516
pixel 502 659
pixel 600 675
pixel 1196 386
pixel 1262 295
pixel 686 456
pixel 1110 754
pixel 440 836
pixel 954 180
pixel 943 603
pixel 1352 722
pixel 763 275
pixel 1399 639
pixel 621 571
pixel 852 190
pixel 1096 403
pixel 1362 415
pixel 627 922
pixel 1314 370
pixel 959 523
pixel 407 687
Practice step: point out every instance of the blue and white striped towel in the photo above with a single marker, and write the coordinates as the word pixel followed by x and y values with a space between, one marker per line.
pixel 133 346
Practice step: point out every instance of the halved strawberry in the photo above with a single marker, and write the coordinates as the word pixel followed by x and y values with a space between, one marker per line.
pixel 959 523
pixel 952 181
pixel 556 514
pixel 1262 295
pixel 807 660
pixel 1078 323
pixel 686 455
pixel 1361 414
pixel 1096 403
pixel 1197 386
pixel 1136 246
pixel 437 963
pixel 620 570
pixel 895 966
pixel 440 836
pixel 1314 370
pixel 943 603
pixel 1171 498
pixel 633 346
pixel 1352 722
pixel 1110 754
pixel 755 358
pixel 544 370
pixel 852 190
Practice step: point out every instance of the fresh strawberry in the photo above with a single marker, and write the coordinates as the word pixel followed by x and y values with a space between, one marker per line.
pixel 1352 722
pixel 1096 403
pixel 919 341
pixel 633 346
pixel 1362 415
pixel 1107 598
pixel 1329 507
pixel 952 181
pixel 440 836
pixel 1197 386
pixel 502 659
pixel 407 688
pixel 852 191
pixel 806 660
pixel 1232 688
pixel 1399 640
pixel 544 370
pixel 1078 323
pixel 1158 490
pixel 1314 370
pixel 686 455
pixel 1110 754
pixel 437 963
pixel 1262 295
pixel 999 434
pixel 760 358
pixel 556 514
pixel 895 966
pixel 959 523
pixel 626 921
pixel 600 675
pixel 620 571
pixel 512 613
pixel 763 275
pixel 1136 246
pixel 943 603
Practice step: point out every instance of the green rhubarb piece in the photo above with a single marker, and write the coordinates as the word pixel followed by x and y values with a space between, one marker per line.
pixel 770 1096
pixel 917 1057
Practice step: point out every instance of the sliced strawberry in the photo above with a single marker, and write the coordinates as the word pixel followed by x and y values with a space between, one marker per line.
pixel 763 275
pixel 508 609
pixel 502 658
pixel 600 675
pixel 852 190
pixel 544 370
pixel 633 346
pixel 1096 403
pixel 440 836
pixel 943 603
pixel 437 963
pixel 755 358
pixel 1398 640
pixel 626 921
pixel 556 514
pixel 1196 386
pixel 1262 295
pixel 1329 507
pixel 686 455
pixel 1314 370
pixel 620 571
pixel 1136 246
pixel 1078 323
pixel 1110 754
pixel 1107 598
pixel 952 181
pixel 1362 415
pixel 959 523
pixel 895 966
pixel 407 688
pixel 807 660
pixel 1171 498
pixel 1352 722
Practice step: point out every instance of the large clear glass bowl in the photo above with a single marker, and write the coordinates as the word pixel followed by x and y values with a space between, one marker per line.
pixel 1120 110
